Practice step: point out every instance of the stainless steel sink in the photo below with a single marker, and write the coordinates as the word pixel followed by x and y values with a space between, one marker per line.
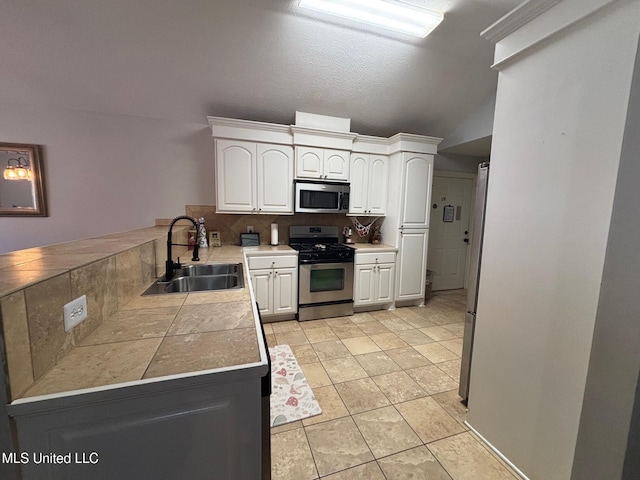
pixel 201 278
pixel 204 282
pixel 209 269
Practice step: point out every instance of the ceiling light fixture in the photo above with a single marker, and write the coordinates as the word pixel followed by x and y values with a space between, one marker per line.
pixel 394 15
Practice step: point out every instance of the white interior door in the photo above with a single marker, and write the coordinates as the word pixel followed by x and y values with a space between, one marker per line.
pixel 449 230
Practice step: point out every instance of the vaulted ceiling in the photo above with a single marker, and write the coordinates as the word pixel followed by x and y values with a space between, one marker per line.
pixel 250 59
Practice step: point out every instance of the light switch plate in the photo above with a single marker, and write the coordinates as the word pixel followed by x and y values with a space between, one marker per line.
pixel 75 312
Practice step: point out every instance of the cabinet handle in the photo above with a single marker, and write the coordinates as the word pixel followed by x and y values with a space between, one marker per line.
pixel 276 273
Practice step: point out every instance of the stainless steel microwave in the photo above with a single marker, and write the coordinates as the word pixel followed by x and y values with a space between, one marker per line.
pixel 321 197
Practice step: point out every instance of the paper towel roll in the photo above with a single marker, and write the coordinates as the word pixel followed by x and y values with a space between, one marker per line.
pixel 274 234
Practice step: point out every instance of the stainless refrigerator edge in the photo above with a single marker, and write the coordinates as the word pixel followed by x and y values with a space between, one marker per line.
pixel 474 276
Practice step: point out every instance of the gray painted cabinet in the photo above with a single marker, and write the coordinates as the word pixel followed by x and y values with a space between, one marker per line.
pixel 201 427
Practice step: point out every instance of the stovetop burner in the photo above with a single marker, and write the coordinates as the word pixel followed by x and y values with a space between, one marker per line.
pixel 319 244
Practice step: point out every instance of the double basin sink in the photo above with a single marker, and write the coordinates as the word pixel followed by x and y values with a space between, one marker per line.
pixel 199 278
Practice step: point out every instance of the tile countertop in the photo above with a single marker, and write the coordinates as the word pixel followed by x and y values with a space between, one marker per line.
pixel 369 247
pixel 166 335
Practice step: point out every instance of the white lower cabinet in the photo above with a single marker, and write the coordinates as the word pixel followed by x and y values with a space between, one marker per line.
pixel 374 278
pixel 412 264
pixel 275 284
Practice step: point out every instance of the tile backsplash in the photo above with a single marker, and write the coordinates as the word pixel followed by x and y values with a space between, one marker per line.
pixel 231 226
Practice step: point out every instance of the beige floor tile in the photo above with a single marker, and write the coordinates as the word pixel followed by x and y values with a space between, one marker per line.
pixel 420 322
pixel 347 331
pixel 428 419
pixel 408 357
pixel 338 321
pixel 361 395
pixel 360 345
pixel 414 336
pixel 330 350
pixel 362 317
pixel 296 337
pixel 383 315
pixel 385 431
pixel 304 354
pixel 432 379
pixel 271 339
pixel 455 345
pixel 268 328
pixel 373 328
pixel 456 328
pixel 436 353
pixel 438 333
pixel 377 363
pixel 285 427
pixel 451 368
pixel 367 471
pixel 311 324
pixel 417 463
pixel 399 387
pixel 315 374
pixel 466 459
pixel 321 334
pixel 452 403
pixel 343 369
pixel 291 457
pixel 288 326
pixel 388 341
pixel 330 403
pixel 395 324
pixel 337 445
pixel 405 313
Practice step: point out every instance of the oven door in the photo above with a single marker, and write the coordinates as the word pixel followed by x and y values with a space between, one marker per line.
pixel 325 282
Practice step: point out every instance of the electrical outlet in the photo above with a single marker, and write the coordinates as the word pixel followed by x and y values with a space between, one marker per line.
pixel 75 312
pixel 249 228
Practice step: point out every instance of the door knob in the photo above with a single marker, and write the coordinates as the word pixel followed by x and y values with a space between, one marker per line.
pixel 466 240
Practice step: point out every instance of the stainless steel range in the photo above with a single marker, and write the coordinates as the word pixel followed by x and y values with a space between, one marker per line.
pixel 325 272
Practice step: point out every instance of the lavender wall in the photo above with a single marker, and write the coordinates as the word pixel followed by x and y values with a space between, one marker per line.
pixel 106 173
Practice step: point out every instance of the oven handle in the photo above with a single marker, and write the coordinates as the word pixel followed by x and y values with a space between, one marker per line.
pixel 316 261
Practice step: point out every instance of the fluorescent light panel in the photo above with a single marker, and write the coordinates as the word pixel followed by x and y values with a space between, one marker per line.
pixel 392 15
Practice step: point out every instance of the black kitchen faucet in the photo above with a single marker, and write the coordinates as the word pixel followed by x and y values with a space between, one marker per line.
pixel 170 266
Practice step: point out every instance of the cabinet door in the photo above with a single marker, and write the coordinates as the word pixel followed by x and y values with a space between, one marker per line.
pixel 416 190
pixel 309 162
pixel 378 181
pixel 285 290
pixel 359 184
pixel 235 176
pixel 364 285
pixel 412 264
pixel 336 165
pixel 385 276
pixel 262 281
pixel 275 178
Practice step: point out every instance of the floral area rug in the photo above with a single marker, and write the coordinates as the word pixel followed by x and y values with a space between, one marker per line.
pixel 291 395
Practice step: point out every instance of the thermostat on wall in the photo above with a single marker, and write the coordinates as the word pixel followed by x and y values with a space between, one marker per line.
pixel 214 239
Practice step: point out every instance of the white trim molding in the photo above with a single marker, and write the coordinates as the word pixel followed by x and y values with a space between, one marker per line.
pixel 516 18
pixel 535 22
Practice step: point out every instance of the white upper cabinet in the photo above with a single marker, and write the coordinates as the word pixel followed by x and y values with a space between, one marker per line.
pixel 417 177
pixel 254 177
pixel 275 178
pixel 235 176
pixel 322 163
pixel 368 192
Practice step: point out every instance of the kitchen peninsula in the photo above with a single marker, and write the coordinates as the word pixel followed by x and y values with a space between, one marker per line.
pixel 148 383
